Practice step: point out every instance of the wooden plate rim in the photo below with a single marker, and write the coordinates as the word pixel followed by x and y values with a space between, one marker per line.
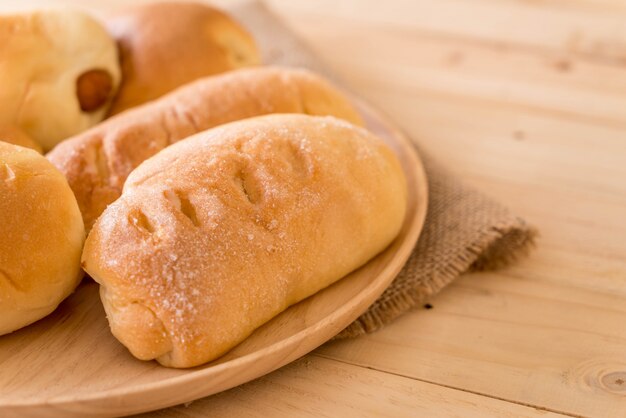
pixel 343 316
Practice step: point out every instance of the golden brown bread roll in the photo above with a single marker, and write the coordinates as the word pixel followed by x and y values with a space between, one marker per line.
pixel 14 135
pixel 165 45
pixel 58 72
pixel 41 238
pixel 220 232
pixel 97 162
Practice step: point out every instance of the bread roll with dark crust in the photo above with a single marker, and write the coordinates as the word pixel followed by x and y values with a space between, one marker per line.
pixel 165 45
pixel 97 162
pixel 221 232
pixel 41 238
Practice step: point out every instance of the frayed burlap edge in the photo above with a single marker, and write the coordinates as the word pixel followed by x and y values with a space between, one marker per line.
pixel 504 245
pixel 484 236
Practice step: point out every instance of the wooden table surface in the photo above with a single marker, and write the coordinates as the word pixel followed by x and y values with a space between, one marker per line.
pixel 526 100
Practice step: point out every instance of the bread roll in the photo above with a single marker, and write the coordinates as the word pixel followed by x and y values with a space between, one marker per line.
pixel 58 72
pixel 14 135
pixel 220 232
pixel 41 238
pixel 97 162
pixel 166 45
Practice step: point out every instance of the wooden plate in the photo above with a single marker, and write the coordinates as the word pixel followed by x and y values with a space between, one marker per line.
pixel 69 364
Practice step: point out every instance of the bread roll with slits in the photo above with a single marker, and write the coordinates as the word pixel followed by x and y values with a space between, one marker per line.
pixel 165 45
pixel 58 72
pixel 97 162
pixel 14 135
pixel 41 238
pixel 221 232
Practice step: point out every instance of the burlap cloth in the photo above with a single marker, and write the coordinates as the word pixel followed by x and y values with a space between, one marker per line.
pixel 464 230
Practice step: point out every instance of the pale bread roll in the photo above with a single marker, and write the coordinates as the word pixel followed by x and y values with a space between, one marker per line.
pixel 41 238
pixel 58 72
pixel 97 162
pixel 165 45
pixel 220 232
pixel 14 135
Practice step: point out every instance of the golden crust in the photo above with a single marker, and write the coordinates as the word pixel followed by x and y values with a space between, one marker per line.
pixel 219 233
pixel 165 45
pixel 43 54
pixel 13 135
pixel 97 162
pixel 41 238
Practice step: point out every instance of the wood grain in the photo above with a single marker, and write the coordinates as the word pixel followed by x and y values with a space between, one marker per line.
pixel 584 28
pixel 308 388
pixel 544 135
pixel 547 81
pixel 512 339
pixel 93 375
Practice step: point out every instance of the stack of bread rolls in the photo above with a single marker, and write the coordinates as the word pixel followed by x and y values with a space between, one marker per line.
pixel 98 161
pixel 212 202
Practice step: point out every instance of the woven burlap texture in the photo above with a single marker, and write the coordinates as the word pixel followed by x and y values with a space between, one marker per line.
pixel 464 230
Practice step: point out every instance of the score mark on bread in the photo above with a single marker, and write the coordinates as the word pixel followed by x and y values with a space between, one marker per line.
pixel 97 162
pixel 182 203
pixel 217 234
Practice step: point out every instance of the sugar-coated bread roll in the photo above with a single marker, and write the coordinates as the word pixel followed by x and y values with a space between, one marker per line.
pixel 166 45
pixel 220 232
pixel 16 136
pixel 41 237
pixel 97 162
